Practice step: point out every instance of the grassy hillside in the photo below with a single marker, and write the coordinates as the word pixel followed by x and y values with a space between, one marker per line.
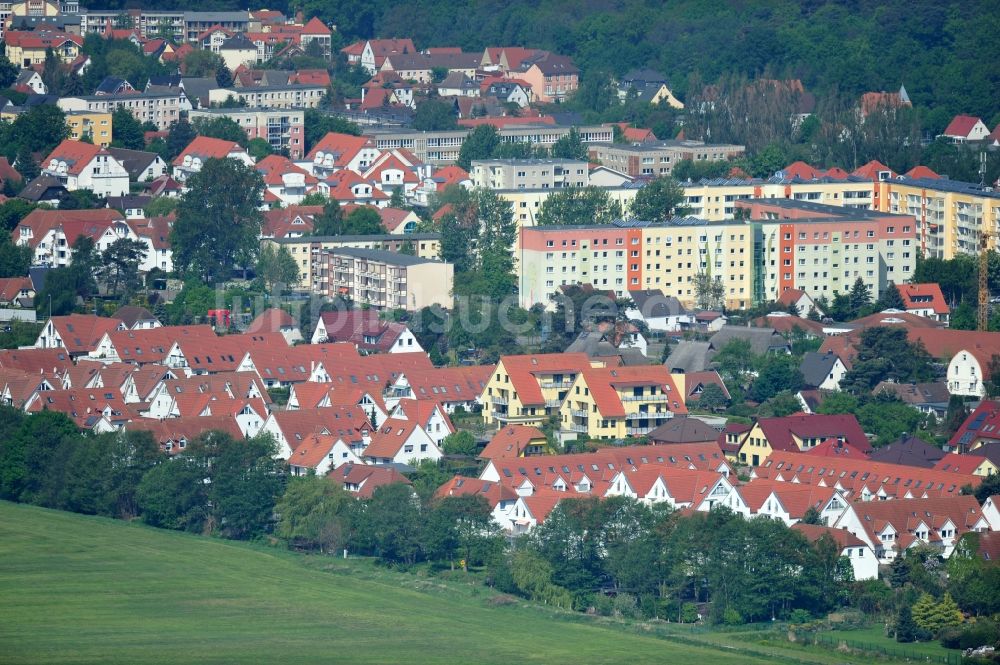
pixel 79 589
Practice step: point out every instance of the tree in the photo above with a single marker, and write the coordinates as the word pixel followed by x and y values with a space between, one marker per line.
pixel 119 268
pixel 201 63
pixel 218 220
pixel 276 266
pixel 906 627
pixel 223 77
pixel 481 143
pixel 569 146
pixel 317 125
pixel 579 205
pixel 462 526
pixel 659 200
pixel 14 260
pixel 161 206
pixel 390 524
pixel 259 148
pixel 126 131
pixel 330 222
pixel 712 398
pixel 783 404
pixel 314 513
pixel 247 481
pixel 890 299
pixel 435 115
pixel 861 297
pixel 459 443
pixel 179 137
pixel 364 221
pixel 223 128
pixel 173 495
pixel 885 353
pixel 776 373
pixel 8 72
pixel 709 292
pixel 735 360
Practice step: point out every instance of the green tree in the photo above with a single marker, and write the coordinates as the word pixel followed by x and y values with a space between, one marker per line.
pixel 890 299
pixel 885 353
pixel 179 137
pixel 161 206
pixel 14 260
pixel 906 627
pixel 247 481
pixel 8 72
pixel 712 398
pixel 569 146
pixel 579 205
pixel 390 524
pixel 481 143
pixel 659 200
pixel 434 115
pixel 276 266
pixel 963 317
pixel 126 131
pixel 462 527
pixel 259 148
pixel 364 221
pixel 223 77
pixel 201 63
pixel 218 220
pixel 861 297
pixel 330 222
pixel 119 268
pixel 459 443
pixel 314 514
pixel 780 405
pixel 173 495
pixel 221 127
pixel 317 125
pixel 775 373
pixel 736 361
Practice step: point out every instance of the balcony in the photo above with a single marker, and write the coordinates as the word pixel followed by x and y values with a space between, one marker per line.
pixel 501 401
pixel 650 415
pixel 554 384
pixel 579 413
pixel 578 428
pixel 645 398
pixel 553 403
pixel 638 431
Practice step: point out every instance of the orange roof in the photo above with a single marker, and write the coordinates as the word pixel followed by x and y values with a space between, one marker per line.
pixel 604 382
pixel 834 448
pixel 347 423
pixel 40 39
pixel 206 147
pixel 872 169
pixel 922 172
pixel 81 333
pixel 364 479
pixel 450 175
pixel 316 27
pixel 313 450
pixel 390 437
pixel 273 167
pixel 280 222
pixel 522 371
pixel 153 344
pixel 494 493
pixel 44 362
pixel 76 154
pixel 84 406
pixel 343 147
pixel 271 320
pixel 906 516
pixel 961 126
pixel 310 77
pixel 955 463
pixel 923 296
pixel 511 441
pixel 842 537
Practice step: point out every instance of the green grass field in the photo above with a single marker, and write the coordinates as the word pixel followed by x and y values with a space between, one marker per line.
pixel 77 589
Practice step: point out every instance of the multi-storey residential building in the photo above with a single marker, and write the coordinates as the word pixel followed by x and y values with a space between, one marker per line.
pixel 159 108
pixel 271 97
pixel 619 402
pixel 526 390
pixel 28 48
pixel 658 159
pixel 787 244
pixel 283 129
pixel 499 174
pixel 715 199
pixel 950 215
pixel 96 126
pixel 442 147
pixel 182 26
pixel 306 249
pixel 29 8
pixel 527 203
pixel 79 165
pixel 384 280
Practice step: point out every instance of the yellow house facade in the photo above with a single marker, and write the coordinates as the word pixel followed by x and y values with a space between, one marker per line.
pixel 95 124
pixel 528 389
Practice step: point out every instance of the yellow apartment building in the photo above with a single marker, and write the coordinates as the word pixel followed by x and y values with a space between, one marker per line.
pixel 95 124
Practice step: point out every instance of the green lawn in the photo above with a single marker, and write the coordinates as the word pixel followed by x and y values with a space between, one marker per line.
pixel 77 589
pixel 875 635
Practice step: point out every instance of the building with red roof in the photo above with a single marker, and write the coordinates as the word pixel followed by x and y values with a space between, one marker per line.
pixel 799 433
pixel 335 152
pixel 925 300
pixel 79 165
pixel 362 480
pixel 859 553
pixel 875 101
pixel 967 464
pixel 78 334
pixel 203 148
pixel 966 128
pixel 288 182
pixel 515 441
pixel 28 48
pixel 292 221
pixel 399 441
pixel 366 331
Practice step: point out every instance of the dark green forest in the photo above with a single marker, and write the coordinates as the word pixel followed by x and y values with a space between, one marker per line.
pixel 944 52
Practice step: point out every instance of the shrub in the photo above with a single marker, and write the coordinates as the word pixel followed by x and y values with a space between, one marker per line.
pixel 731 617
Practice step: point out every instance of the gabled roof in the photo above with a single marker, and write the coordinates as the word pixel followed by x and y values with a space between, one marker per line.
pixel 511 441
pixel 906 516
pixel 872 169
pixel 683 430
pixel 282 222
pixel 273 167
pixel 81 333
pixel 982 424
pixel 130 315
pixel 84 406
pixel 842 537
pixel 909 451
pixel 313 450
pixel 366 477
pixel 921 171
pixel 206 147
pixel 917 394
pixel 449 384
pixel 605 382
pixel 834 448
pixel 816 367
pixel 961 126
pixel 44 362
pixel 522 371
pixel 964 464
pixel 392 434
pixel 342 147
pixel 271 320
pixel 781 432
pixel 76 154
pixel 923 296
pixel 315 27
pixel 494 493
pixel 696 382
pixel 152 345
pixel 347 423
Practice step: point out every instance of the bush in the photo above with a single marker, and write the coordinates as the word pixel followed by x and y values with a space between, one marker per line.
pixel 800 616
pixel 625 605
pixel 689 613
pixel 731 617
pixel 978 634
pixel 602 605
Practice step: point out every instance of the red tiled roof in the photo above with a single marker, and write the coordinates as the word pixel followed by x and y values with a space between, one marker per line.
pixel 390 437
pixel 494 493
pixel 315 27
pixel 603 383
pixel 347 423
pixel 313 450
pixel 81 333
pixel 40 39
pixel 922 172
pixel 280 222
pixel 779 432
pixel 511 441
pixel 923 296
pixel 271 320
pixel 342 146
pixel 206 147
pixel 11 287
pixel 961 126
pixel 964 464
pixel 842 537
pixel 449 384
pixel 834 448
pixel 871 170
pixel 522 369
pixel 906 516
pixel 983 424
pixel 273 167
pixel 366 477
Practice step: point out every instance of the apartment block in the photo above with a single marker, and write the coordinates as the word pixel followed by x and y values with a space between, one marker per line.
pixel 383 280
pixel 441 148
pixel 95 125
pixel 306 250
pixel 786 244
pixel 950 215
pixel 283 129
pixel 715 199
pixel 526 390
pixel 184 26
pixel 658 159
pixel 527 203
pixel 499 174
pixel 159 108
pixel 271 97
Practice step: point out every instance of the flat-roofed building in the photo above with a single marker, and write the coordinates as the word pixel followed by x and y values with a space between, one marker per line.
pixel 283 128
pixel 383 280
pixel 500 174
pixel 659 159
